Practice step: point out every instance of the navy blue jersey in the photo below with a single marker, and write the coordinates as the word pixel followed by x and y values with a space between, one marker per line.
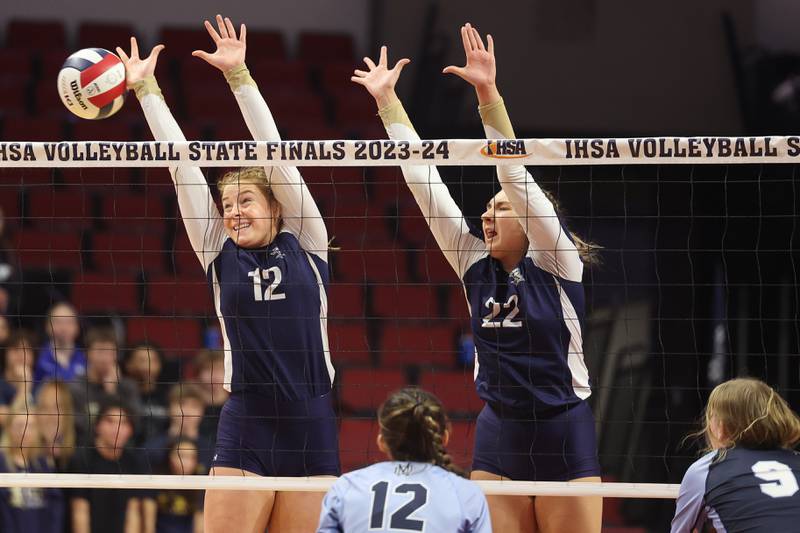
pixel 271 302
pixel 741 490
pixel 527 324
pixel 24 509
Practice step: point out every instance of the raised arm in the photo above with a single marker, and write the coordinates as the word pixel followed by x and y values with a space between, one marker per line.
pixel 550 244
pixel 198 210
pixel 299 212
pixel 444 217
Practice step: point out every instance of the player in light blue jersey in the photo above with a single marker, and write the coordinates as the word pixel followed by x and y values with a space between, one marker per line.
pixel 266 259
pixel 418 489
pixel 748 480
pixel 523 284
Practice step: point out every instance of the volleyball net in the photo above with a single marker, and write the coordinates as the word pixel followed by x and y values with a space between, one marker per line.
pixel 697 283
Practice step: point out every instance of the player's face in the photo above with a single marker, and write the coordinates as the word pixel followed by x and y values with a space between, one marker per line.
pixel 114 429
pixel 502 231
pixel 64 324
pixel 251 220
pixel 183 460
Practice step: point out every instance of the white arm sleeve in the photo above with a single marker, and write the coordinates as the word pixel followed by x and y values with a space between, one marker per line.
pixel 459 246
pixel 299 212
pixel 198 210
pixel 550 246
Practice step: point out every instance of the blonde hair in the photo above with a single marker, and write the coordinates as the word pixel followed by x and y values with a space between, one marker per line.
pixel 413 423
pixel 752 415
pixel 21 406
pixel 588 251
pixel 256 176
pixel 66 421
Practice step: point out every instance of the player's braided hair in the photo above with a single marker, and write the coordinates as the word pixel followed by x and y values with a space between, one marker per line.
pixel 413 424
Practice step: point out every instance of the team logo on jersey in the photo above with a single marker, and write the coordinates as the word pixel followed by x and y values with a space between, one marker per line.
pixel 404 469
pixel 516 276
pixel 507 149
pixel 276 253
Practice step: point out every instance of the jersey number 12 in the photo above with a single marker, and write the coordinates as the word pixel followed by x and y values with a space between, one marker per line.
pixel 400 519
pixel 274 280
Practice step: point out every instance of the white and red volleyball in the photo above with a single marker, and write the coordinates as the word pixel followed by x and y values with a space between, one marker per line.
pixel 91 83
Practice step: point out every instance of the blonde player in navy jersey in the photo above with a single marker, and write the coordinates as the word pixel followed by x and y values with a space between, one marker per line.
pixel 522 282
pixel 748 480
pixel 418 489
pixel 266 262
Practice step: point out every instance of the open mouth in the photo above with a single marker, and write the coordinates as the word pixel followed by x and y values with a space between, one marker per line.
pixel 241 226
pixel 489 233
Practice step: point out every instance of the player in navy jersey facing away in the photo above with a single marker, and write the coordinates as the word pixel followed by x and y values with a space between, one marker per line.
pixel 748 480
pixel 266 261
pixel 418 489
pixel 522 282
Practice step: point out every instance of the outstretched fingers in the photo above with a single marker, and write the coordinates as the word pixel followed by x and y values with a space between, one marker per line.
pixel 122 55
pixel 243 34
pixel 211 31
pixel 400 64
pixel 230 28
pixel 383 61
pixel 490 42
pixel 370 63
pixel 478 41
pixel 154 53
pixel 223 30
pixel 134 48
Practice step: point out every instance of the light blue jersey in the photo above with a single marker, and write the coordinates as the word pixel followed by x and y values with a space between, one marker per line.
pixel 404 496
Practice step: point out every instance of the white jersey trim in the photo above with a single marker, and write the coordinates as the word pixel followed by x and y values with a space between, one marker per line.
pixel 226 345
pixel 575 362
pixel 323 318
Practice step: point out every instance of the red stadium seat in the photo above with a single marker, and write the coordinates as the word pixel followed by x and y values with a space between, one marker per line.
pixel 21 128
pixel 388 266
pixel 181 42
pixel 104 35
pixel 457 308
pixel 365 389
pixel 59 208
pixel 455 388
pixel 45 249
pixel 432 267
pixel 13 94
pixel 271 72
pixel 213 102
pixel 114 178
pixel 121 252
pixel 345 300
pixel 318 48
pixel 357 232
pixel 263 45
pixel 353 104
pixel 127 212
pixel 418 345
pixel 180 295
pixel 182 255
pixel 357 445
pixel 36 34
pixel 462 443
pixel 180 337
pixel 9 201
pixel 116 128
pixel 47 101
pixel 106 293
pixel 50 62
pixel 348 344
pixel 335 76
pixel 293 105
pixel 410 302
pixel 16 63
pixel 231 130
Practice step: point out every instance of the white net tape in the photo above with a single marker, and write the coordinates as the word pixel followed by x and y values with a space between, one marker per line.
pixel 454 152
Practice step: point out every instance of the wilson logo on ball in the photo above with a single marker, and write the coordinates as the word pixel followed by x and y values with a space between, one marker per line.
pixel 91 83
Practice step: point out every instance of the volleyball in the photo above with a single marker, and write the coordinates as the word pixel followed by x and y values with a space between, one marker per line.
pixel 91 83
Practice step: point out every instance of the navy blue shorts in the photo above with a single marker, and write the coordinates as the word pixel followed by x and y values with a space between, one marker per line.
pixel 558 447
pixel 269 438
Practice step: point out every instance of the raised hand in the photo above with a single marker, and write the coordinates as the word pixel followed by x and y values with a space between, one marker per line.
pixel 136 68
pixel 230 50
pixel 380 80
pixel 480 69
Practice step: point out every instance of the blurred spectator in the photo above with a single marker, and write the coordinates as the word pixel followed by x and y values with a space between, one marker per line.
pixel 101 382
pixel 17 377
pixel 142 364
pixel 111 510
pixel 210 365
pixel 27 509
pixel 5 330
pixel 9 284
pixel 61 358
pixel 180 511
pixel 56 416
pixel 186 406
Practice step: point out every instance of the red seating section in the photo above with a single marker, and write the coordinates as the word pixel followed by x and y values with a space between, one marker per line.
pixel 455 388
pixel 365 389
pixel 357 445
pixel 418 345
pixel 38 35
pixel 46 249
pixel 348 344
pixel 177 336
pixel 103 293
